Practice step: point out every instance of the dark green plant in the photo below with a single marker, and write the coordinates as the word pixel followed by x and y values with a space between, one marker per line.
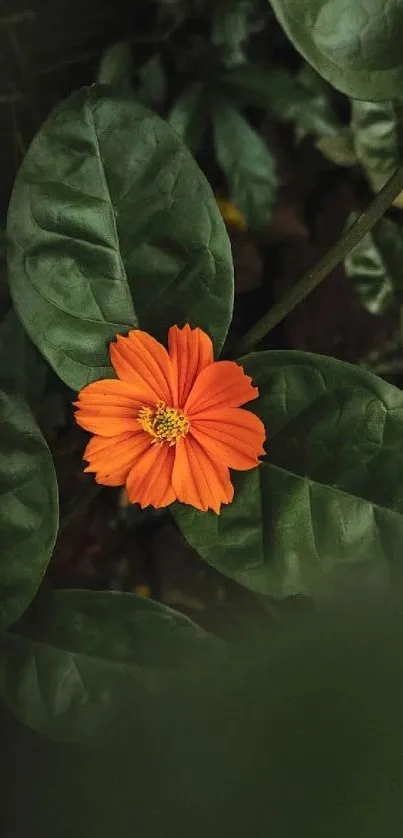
pixel 112 225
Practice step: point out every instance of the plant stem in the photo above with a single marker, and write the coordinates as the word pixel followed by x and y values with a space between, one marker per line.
pixel 364 223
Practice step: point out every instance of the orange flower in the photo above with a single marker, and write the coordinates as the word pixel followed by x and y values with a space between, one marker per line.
pixel 170 426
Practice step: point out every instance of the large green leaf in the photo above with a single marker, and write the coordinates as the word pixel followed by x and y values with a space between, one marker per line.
pixel 28 508
pixel 93 665
pixel 377 129
pixel 326 506
pixel 375 265
pixel 111 223
pixel 354 44
pixel 247 164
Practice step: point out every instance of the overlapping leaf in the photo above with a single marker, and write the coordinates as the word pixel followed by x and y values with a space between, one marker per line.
pixel 28 508
pixel 375 266
pixel 355 45
pixel 112 224
pixel 93 665
pixel 326 506
pixel 377 129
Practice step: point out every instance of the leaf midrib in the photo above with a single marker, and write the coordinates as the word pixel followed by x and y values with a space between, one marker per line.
pixel 107 191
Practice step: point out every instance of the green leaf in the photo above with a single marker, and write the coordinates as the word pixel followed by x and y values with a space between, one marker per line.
pixel 116 66
pixel 22 368
pixel 301 99
pixel 326 506
pixel 188 116
pixel 355 45
pixel 247 164
pixel 375 265
pixel 339 149
pixel 28 508
pixel 91 665
pixel 378 138
pixel 118 626
pixel 315 114
pixel 152 88
pixel 112 224
pixel 232 24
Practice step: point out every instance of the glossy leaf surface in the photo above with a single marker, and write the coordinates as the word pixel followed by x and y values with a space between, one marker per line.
pixel 355 45
pixel 326 506
pixel 112 224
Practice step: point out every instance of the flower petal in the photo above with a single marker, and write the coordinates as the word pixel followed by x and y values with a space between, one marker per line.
pixel 107 407
pixel 222 384
pixel 231 435
pixel 149 482
pixel 198 480
pixel 190 350
pixel 108 421
pixel 111 458
pixel 145 364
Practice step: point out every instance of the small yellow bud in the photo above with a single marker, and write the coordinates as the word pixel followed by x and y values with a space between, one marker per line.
pixel 232 215
pixel 142 590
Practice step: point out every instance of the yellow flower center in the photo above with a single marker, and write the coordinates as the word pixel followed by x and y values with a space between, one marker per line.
pixel 165 424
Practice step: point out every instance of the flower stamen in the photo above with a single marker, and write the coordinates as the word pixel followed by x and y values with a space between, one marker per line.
pixel 164 424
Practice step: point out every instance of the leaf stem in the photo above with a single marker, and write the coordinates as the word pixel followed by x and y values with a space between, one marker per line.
pixel 364 223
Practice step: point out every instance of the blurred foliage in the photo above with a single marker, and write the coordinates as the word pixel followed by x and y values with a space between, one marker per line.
pixel 378 140
pixel 297 734
pixel 204 65
pixel 188 60
pixel 375 266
